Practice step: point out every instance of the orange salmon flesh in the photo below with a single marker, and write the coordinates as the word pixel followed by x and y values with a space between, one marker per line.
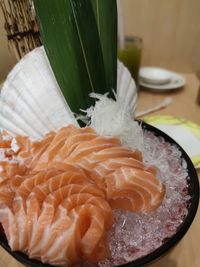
pixel 57 194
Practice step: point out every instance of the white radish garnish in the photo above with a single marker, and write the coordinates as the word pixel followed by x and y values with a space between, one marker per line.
pixel 113 117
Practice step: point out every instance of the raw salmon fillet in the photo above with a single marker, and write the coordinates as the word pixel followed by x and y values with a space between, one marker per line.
pixel 57 194
pixel 134 189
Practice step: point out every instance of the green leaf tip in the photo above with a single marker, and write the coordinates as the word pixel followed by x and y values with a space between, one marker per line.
pixel 78 50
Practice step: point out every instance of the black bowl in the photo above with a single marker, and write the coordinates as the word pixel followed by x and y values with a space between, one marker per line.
pixel 193 185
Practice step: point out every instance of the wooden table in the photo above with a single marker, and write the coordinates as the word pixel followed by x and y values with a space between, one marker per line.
pixel 184 101
pixel 186 253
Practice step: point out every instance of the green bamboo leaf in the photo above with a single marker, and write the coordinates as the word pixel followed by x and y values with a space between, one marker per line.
pixel 71 40
pixel 106 17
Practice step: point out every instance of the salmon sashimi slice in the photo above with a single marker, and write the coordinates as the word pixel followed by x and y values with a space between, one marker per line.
pixel 60 221
pixel 73 175
pixel 57 194
pixel 97 201
pixel 37 150
pixel 12 186
pixel 76 200
pixel 94 246
pixel 11 199
pixel 72 181
pixel 56 144
pixel 111 153
pixel 88 147
pixel 85 134
pixel 8 190
pixel 8 169
pixel 11 146
pixel 31 181
pixel 65 250
pixel 59 184
pixel 18 144
pixel 63 144
pixel 115 152
pixel 103 168
pixel 83 240
pixel 5 140
pixel 73 142
pixel 19 203
pixel 95 162
pixel 24 144
pixel 11 169
pixel 134 190
pixel 9 223
pixel 49 206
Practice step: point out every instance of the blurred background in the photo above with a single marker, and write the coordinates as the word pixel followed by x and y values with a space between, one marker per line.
pixel 170 31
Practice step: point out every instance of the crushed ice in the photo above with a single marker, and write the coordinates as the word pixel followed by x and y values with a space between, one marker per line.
pixel 134 235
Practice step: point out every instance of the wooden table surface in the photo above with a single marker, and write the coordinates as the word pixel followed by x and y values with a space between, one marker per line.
pixel 187 252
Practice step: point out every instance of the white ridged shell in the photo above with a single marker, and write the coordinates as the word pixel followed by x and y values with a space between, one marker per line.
pixel 31 102
pixel 126 88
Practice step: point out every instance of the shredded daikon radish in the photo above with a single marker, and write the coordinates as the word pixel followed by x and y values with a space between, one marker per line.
pixel 113 117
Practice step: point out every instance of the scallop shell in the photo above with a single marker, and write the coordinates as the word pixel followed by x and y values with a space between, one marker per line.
pixel 31 102
pixel 126 87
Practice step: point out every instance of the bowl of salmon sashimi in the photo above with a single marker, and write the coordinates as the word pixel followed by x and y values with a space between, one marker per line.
pixel 77 198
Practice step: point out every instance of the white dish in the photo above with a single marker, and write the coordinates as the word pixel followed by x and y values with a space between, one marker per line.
pixel 184 132
pixel 155 76
pixel 176 81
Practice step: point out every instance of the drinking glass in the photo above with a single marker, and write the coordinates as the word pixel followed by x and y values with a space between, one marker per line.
pixel 130 55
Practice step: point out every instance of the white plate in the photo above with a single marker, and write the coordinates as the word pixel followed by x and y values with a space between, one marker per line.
pixel 155 76
pixel 184 132
pixel 176 81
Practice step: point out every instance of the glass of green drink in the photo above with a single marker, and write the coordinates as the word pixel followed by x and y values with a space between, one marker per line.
pixel 130 55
